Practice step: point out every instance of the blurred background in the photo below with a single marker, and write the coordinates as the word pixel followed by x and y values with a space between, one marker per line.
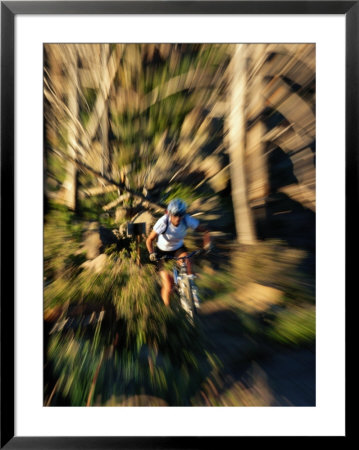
pixel 230 129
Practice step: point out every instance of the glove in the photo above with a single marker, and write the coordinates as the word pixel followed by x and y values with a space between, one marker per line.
pixel 153 256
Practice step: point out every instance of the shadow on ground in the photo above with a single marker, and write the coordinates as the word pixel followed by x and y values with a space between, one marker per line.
pixel 256 372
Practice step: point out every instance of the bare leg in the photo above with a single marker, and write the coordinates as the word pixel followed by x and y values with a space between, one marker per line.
pixel 167 283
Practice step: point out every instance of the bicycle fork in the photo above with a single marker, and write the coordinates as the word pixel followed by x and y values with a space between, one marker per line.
pixel 177 277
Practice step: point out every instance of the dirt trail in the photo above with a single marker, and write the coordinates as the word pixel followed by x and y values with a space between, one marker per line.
pixel 254 372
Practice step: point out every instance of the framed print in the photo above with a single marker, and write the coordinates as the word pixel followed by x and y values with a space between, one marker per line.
pixel 175 185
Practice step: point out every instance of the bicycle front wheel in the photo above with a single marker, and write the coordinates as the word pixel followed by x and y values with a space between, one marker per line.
pixel 187 299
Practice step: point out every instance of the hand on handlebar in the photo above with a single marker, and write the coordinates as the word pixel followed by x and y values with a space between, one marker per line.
pixel 153 256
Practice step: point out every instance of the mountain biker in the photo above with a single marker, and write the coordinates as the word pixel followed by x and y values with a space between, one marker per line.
pixel 171 229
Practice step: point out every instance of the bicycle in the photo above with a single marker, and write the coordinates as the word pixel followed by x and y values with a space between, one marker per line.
pixel 185 285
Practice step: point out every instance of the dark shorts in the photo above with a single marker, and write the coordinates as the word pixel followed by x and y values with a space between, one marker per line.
pixel 161 253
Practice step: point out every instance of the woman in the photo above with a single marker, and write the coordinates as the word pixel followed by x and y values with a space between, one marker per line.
pixel 171 230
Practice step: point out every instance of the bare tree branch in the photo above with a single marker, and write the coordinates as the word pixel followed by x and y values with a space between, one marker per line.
pixel 145 202
pixel 99 190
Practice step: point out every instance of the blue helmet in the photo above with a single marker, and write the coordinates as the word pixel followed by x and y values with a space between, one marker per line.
pixel 177 207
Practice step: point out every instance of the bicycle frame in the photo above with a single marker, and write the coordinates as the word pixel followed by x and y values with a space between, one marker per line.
pixel 182 281
pixel 183 265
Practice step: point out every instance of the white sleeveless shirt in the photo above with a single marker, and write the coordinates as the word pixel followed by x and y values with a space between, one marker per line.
pixel 172 239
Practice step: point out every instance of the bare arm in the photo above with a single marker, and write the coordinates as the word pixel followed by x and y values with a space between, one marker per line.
pixel 149 241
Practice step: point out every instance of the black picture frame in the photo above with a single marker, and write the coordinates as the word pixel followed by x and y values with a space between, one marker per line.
pixel 9 10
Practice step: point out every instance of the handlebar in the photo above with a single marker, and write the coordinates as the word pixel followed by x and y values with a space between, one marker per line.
pixel 177 258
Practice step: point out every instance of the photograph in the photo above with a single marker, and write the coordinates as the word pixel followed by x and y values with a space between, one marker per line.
pixel 179 224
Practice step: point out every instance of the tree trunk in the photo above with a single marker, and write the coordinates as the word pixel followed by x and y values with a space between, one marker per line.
pixel 104 119
pixel 71 182
pixel 236 123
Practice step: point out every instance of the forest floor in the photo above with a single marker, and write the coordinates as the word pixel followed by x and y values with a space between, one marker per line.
pixel 257 320
pixel 255 373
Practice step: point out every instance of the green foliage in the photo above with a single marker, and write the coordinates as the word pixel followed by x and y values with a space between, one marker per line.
pixel 146 347
pixel 91 208
pixel 294 326
pixel 213 55
pixel 62 234
pixel 179 190
pixel 75 359
pixel 215 284
pixel 291 320
pixel 87 102
pixel 56 167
